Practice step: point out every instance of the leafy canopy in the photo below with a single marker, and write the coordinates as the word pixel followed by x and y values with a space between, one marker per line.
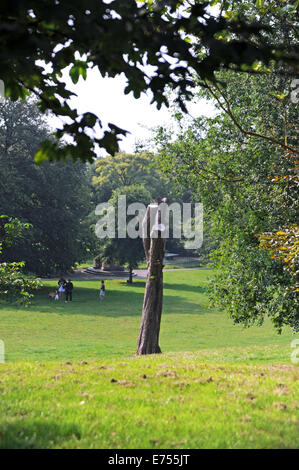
pixel 126 170
pixel 125 250
pixel 249 189
pixel 40 39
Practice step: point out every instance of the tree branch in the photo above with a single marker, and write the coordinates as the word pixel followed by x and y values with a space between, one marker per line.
pixel 227 109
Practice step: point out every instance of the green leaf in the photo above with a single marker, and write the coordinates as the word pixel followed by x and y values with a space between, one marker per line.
pixel 260 4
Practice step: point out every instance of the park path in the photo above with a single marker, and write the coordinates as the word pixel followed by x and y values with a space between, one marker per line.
pixel 82 275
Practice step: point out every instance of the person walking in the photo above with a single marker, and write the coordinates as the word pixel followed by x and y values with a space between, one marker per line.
pixel 68 290
pixel 102 291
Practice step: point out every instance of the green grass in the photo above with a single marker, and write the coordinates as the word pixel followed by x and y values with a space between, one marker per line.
pixel 87 328
pixel 175 264
pixel 168 401
pixel 71 379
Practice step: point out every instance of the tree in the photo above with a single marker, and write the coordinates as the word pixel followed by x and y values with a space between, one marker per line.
pixel 141 168
pixel 282 16
pixel 40 39
pixel 54 198
pixel 124 170
pixel 154 244
pixel 125 250
pixel 14 285
pixel 249 188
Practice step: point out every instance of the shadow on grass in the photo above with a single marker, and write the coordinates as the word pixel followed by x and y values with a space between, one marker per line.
pixel 137 283
pixel 36 434
pixel 171 286
pixel 118 302
pixel 186 288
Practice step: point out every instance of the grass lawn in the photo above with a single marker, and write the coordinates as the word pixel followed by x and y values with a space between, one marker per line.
pixel 71 379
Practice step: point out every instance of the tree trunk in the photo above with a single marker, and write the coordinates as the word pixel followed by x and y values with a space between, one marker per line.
pixel 148 340
pixel 130 280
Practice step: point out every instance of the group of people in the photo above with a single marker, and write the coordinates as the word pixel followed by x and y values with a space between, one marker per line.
pixel 66 288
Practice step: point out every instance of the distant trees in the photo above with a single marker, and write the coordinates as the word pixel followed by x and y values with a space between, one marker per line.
pixel 249 187
pixel 122 170
pixel 54 197
pixel 142 169
pixel 125 250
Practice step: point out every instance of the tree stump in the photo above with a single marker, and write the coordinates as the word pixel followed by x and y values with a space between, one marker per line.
pixel 153 242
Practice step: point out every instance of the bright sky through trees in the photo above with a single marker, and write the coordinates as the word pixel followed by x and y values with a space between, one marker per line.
pixel 105 97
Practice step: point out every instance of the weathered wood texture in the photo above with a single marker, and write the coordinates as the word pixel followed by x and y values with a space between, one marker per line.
pixel 148 340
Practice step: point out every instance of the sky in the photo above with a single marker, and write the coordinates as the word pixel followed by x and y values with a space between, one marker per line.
pixel 105 97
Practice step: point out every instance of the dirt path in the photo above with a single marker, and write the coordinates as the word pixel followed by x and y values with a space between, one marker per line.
pixel 81 275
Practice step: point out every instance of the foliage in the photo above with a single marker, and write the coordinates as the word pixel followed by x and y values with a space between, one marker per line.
pixel 125 250
pixel 250 286
pixel 141 169
pixel 40 39
pixel 11 229
pixel 284 245
pixel 125 170
pixel 54 198
pixel 282 17
pixel 248 188
pixel 14 285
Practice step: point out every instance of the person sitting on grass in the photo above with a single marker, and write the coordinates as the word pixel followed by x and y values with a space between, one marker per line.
pixel 68 290
pixel 102 291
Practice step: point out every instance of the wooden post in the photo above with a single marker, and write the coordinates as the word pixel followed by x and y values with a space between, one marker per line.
pixel 148 340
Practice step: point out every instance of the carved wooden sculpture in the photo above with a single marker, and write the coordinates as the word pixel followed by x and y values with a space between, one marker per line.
pixel 154 243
